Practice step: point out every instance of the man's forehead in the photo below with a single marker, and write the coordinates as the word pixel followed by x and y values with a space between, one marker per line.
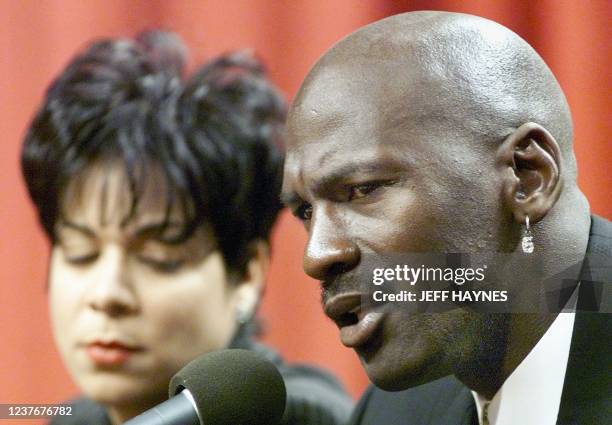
pixel 360 98
pixel 333 92
pixel 372 64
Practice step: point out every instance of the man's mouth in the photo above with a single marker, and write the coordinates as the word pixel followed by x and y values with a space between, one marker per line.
pixel 357 322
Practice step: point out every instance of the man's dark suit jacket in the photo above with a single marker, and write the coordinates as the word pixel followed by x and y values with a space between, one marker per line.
pixel 587 390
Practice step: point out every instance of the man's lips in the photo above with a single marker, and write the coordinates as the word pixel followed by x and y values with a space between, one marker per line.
pixel 357 322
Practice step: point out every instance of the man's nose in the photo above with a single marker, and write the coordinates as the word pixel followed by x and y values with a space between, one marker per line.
pixel 112 292
pixel 329 251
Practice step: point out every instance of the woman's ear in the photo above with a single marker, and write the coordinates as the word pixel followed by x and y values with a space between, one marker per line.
pixel 530 161
pixel 251 285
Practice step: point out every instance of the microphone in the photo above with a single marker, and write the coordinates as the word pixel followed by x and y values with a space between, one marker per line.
pixel 227 387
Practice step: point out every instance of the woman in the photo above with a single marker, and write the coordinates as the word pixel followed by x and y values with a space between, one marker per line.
pixel 158 195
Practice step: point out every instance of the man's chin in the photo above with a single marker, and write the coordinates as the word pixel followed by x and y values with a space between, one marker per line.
pixel 394 380
pixel 401 374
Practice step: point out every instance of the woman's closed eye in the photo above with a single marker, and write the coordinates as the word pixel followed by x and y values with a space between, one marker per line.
pixel 162 257
pixel 82 259
pixel 79 251
pixel 162 265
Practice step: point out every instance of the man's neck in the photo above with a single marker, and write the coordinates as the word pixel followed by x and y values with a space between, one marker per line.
pixel 564 246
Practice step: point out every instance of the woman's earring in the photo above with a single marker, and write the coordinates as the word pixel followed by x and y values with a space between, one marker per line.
pixel 243 313
pixel 527 241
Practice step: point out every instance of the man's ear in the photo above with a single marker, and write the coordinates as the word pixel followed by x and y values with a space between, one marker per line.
pixel 530 160
pixel 251 285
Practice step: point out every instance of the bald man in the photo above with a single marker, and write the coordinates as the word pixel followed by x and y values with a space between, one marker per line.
pixel 436 132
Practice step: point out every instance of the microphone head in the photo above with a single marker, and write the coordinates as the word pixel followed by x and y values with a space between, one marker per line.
pixel 233 387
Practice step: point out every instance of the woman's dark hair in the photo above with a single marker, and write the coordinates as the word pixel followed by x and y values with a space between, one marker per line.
pixel 216 136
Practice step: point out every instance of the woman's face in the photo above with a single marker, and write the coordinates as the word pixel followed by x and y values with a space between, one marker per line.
pixel 130 306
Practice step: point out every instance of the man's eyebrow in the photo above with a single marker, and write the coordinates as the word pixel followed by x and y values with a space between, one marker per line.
pixel 354 169
pixel 342 172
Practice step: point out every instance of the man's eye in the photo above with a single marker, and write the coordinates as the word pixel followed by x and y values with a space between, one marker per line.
pixel 163 266
pixel 359 191
pixel 82 260
pixel 362 190
pixel 303 212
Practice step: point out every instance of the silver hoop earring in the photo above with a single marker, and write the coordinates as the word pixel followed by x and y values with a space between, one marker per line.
pixel 527 241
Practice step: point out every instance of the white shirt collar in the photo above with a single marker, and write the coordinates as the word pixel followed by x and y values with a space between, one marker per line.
pixel 531 395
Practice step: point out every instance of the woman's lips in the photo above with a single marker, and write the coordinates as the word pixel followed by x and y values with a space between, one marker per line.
pixel 110 353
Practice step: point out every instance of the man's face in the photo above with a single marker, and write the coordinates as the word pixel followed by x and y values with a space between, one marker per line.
pixel 130 304
pixel 370 172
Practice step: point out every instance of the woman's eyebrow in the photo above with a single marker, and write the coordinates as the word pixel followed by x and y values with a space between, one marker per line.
pixel 154 227
pixel 158 229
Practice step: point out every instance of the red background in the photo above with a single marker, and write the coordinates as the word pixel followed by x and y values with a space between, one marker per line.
pixel 38 37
